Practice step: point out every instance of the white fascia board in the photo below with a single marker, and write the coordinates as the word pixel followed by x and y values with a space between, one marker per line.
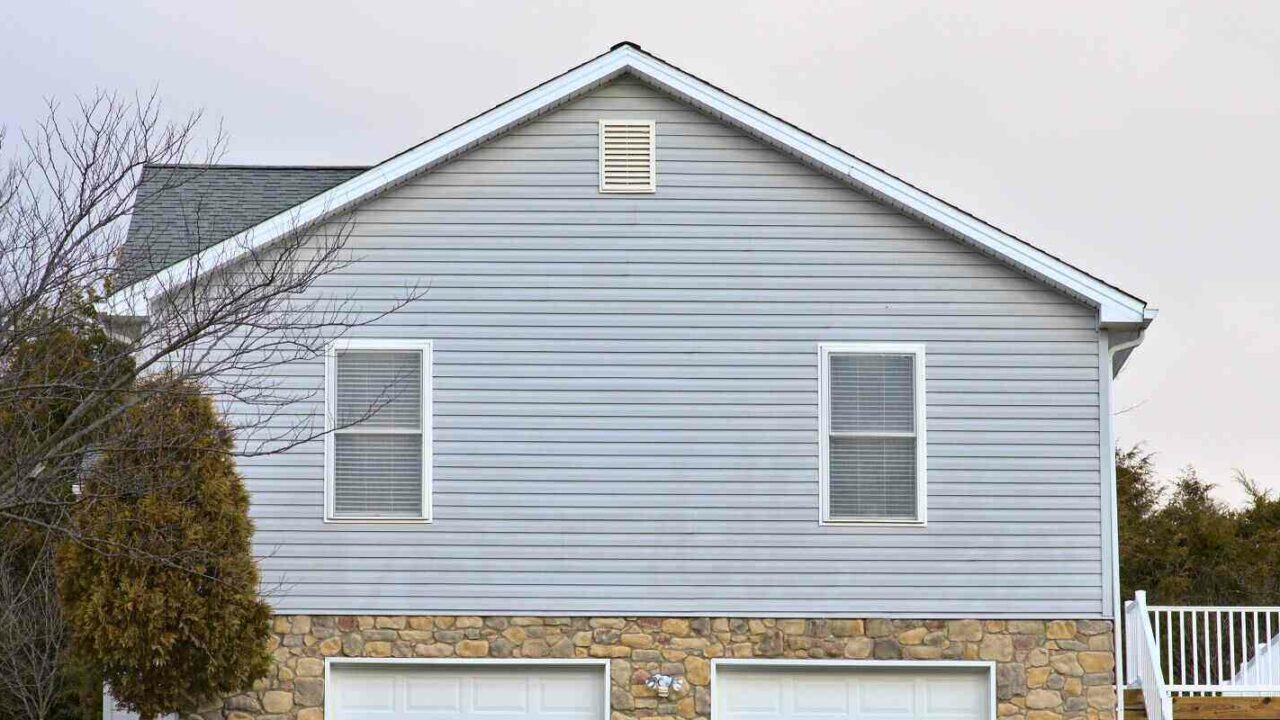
pixel 1115 307
pixel 135 299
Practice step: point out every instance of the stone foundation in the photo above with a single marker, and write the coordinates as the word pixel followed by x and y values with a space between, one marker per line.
pixel 1045 670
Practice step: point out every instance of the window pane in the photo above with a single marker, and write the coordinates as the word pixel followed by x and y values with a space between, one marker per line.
pixel 872 393
pixel 872 478
pixel 377 475
pixel 385 386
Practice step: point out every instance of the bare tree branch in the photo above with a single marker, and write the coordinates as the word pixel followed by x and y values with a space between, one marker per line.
pixel 66 195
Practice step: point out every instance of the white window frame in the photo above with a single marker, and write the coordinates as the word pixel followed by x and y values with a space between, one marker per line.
pixel 825 351
pixel 331 414
pixel 649 189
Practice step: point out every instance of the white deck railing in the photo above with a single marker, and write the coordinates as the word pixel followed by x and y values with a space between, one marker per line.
pixel 1200 650
pixel 1142 660
pixel 1218 650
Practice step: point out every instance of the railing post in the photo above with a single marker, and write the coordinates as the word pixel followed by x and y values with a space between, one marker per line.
pixel 1136 635
pixel 1144 667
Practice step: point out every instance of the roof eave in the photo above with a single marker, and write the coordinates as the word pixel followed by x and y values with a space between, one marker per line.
pixel 1115 307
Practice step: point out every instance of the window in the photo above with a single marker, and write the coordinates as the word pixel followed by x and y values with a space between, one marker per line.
pixel 872 437
pixel 378 450
pixel 627 156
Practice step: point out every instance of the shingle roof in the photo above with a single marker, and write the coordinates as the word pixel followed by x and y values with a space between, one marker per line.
pixel 182 209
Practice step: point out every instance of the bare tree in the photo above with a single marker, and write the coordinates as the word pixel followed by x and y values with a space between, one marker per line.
pixel 65 198
pixel 68 373
pixel 32 633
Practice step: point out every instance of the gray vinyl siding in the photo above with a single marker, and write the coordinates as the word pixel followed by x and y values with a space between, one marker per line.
pixel 625 396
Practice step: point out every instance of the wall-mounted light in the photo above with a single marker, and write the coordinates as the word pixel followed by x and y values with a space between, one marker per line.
pixel 664 684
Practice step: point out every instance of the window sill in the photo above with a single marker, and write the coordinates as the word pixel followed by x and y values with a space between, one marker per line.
pixel 376 521
pixel 875 523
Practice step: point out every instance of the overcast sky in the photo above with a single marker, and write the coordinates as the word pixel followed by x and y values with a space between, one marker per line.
pixel 1138 140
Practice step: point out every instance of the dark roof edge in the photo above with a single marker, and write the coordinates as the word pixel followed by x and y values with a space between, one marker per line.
pixel 250 166
pixel 914 186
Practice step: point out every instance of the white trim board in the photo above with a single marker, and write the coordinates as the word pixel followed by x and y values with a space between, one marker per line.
pixel 602 663
pixel 1115 307
pixel 331 414
pixel 917 351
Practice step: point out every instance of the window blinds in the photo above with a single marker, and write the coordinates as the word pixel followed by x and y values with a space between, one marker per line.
pixel 378 469
pixel 871 461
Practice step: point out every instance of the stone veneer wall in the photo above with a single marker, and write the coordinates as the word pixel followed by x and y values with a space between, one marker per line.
pixel 1045 670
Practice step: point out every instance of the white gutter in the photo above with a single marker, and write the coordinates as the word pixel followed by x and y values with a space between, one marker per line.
pixel 1109 473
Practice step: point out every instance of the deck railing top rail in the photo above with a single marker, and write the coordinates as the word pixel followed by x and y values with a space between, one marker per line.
pixel 1211 650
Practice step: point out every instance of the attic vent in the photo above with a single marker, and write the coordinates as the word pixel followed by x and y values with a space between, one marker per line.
pixel 627 162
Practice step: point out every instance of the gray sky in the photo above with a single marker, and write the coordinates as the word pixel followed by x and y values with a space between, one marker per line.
pixel 1138 140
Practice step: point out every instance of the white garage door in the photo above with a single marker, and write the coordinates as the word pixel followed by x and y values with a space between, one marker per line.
pixel 407 691
pixel 851 693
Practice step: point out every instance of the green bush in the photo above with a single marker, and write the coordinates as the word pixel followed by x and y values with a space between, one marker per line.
pixel 162 593
pixel 1185 547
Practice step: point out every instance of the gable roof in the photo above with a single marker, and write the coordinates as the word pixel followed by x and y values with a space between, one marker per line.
pixel 183 209
pixel 1116 308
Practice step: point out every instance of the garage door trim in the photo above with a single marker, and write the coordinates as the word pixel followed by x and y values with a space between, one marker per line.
pixel 601 663
pixel 989 667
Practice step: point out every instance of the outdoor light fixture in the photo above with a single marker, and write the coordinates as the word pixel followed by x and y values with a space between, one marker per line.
pixel 664 684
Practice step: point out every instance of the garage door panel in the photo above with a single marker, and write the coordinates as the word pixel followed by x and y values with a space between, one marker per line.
pixel 851 693
pixel 407 691
pixel 885 698
pixel 570 695
pixel 433 695
pixel 955 698
pixel 373 696
pixel 820 697
pixel 500 694
pixel 757 697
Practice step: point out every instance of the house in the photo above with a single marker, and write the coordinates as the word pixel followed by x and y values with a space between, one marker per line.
pixel 695 399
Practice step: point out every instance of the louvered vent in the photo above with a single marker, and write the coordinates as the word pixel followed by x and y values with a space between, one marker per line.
pixel 627 162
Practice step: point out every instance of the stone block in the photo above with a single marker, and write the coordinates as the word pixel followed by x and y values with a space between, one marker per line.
pixel 1040 699
pixel 636 640
pixel 1094 662
pixel 277 701
pixel 473 648
pixel 1011 680
pixel 433 650
pixel 996 647
pixel 308 691
pixel 697 671
pixel 879 627
pixel 1060 629
pixel 1101 696
pixel 964 630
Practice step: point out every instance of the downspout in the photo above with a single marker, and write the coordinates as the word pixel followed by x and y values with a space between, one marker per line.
pixel 1120 342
